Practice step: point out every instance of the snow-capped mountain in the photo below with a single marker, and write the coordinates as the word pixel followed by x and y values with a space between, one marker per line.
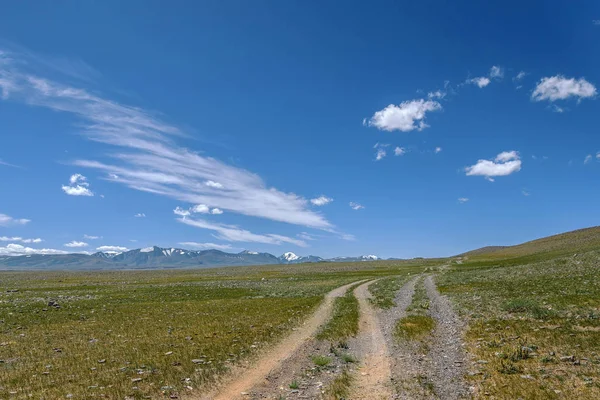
pixel 162 257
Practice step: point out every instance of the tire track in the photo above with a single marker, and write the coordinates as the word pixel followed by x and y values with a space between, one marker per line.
pixel 258 372
pixel 374 376
pixel 448 357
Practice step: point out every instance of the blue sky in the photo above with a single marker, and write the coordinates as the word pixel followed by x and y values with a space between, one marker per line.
pixel 400 129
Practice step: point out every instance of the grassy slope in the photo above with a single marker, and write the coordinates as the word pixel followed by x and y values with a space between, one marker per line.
pixel 534 320
pixel 549 247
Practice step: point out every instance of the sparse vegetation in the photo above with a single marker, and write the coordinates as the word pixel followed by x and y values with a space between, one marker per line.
pixel 534 322
pixel 321 361
pixel 340 387
pixel 414 327
pixel 344 321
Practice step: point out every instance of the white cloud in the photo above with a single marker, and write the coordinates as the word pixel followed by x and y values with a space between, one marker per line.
pixel 496 72
pixel 381 153
pixel 140 215
pixel 587 159
pixel 112 249
pixel 19 239
pixel 7 220
pixel 399 151
pixel 438 94
pixel 437 150
pixel 520 76
pixel 200 209
pixel 78 186
pixel 598 155
pixel 181 212
pixel 19 250
pixel 233 233
pixel 356 206
pixel 90 237
pixel 504 164
pixel 481 81
pixel 525 192
pixel 213 184
pixel 196 245
pixel 557 109
pixel 321 200
pixel 407 116
pixel 75 244
pixel 145 156
pixel 216 211
pixel 559 88
pixel 463 200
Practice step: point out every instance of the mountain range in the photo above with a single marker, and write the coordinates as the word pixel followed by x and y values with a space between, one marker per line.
pixel 160 257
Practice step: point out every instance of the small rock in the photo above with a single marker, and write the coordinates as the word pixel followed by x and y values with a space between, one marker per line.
pixel 134 380
pixel 168 353
pixel 567 358
pixel 101 361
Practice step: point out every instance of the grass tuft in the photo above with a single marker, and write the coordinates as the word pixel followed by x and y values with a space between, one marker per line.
pixel 414 327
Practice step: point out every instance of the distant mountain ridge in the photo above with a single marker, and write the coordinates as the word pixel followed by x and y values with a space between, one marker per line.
pixel 161 257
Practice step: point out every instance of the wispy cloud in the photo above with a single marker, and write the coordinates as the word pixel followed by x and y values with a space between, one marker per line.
pixel 9 164
pixel 504 164
pixel 140 215
pixel 203 246
pixel 233 233
pixel 560 88
pixel 405 117
pixel 437 150
pixel 463 200
pixel 78 186
pixel 149 160
pixel 496 72
pixel 91 237
pixel 520 76
pixel 356 206
pixel 588 159
pixel 399 151
pixel 7 220
pixel 19 239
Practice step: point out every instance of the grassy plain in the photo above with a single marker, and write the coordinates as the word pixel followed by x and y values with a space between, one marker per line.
pixel 152 334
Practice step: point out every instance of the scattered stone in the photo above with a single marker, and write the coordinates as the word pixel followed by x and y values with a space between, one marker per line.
pixel 101 361
pixel 567 358
pixel 134 380
pixel 168 353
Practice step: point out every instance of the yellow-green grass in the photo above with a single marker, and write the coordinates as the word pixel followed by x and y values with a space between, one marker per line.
pixel 417 324
pixel 581 240
pixel 339 388
pixel 147 334
pixel 344 320
pixel 534 329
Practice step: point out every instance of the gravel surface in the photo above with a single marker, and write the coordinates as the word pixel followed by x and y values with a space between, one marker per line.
pixel 448 357
pixel 409 364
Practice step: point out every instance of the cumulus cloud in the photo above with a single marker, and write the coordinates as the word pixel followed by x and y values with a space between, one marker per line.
pixel 216 211
pixel 463 200
pixel 233 233
pixel 7 220
pixel 399 151
pixel 19 239
pixel 481 81
pixel 202 246
pixel 112 249
pixel 356 206
pixel 437 150
pixel 200 209
pixel 78 186
pixel 145 156
pixel 407 116
pixel 76 244
pixel 13 249
pixel 321 200
pixel 181 212
pixel 504 164
pixel 140 215
pixel 496 72
pixel 213 184
pixel 560 88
